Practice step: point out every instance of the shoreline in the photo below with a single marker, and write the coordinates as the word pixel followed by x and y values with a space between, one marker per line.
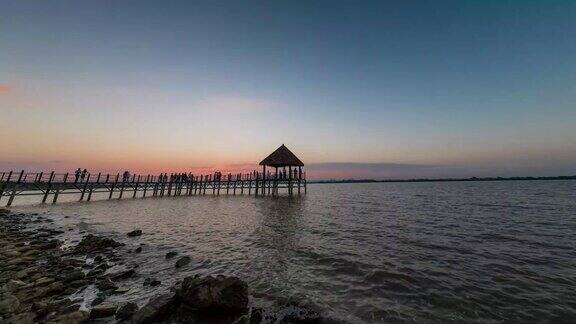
pixel 44 279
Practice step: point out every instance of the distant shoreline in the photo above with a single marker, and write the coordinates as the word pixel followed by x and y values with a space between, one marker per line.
pixel 444 179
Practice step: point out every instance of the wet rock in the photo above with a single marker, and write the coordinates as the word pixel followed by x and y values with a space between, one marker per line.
pixel 152 282
pixel 183 261
pixel 126 311
pixel 9 304
pixel 138 249
pixel 92 243
pixel 73 276
pixel 106 285
pixel 156 308
pixel 101 311
pixel 24 318
pixel 214 294
pixel 72 318
pixel 98 300
pixel 301 314
pixel 134 233
pixel 256 316
pixel 171 254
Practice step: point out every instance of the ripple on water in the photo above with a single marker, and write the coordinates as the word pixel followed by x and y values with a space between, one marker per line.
pixel 391 252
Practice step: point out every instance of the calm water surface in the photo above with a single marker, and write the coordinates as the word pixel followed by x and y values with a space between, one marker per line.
pixel 414 252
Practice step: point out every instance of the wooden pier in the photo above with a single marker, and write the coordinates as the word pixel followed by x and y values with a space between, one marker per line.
pixel 49 186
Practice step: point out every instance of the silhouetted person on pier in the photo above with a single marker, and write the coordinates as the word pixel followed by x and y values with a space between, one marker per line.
pixel 77 175
pixel 83 175
pixel 126 176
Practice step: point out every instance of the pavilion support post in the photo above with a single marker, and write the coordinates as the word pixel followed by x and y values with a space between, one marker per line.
pixel 299 178
pixel 276 181
pixel 264 180
pixel 290 180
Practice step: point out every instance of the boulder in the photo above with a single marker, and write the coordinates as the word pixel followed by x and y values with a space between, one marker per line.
pixel 134 233
pixel 214 294
pixel 126 311
pixel 155 309
pixel 183 261
pixel 101 311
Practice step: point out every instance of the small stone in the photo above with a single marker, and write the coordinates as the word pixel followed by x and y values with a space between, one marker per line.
pixel 138 249
pixel 183 261
pixel 126 311
pixel 101 311
pixel 134 233
pixel 171 254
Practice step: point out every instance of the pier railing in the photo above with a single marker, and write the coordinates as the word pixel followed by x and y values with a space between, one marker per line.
pixel 51 184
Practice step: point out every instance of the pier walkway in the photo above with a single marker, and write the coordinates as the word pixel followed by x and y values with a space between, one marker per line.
pixel 49 186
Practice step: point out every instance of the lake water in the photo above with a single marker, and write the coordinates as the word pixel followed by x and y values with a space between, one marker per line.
pixel 414 252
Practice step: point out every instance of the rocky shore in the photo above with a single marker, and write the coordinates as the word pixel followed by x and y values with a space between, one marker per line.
pixel 41 281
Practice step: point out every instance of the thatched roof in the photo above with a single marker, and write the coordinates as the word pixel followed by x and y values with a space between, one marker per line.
pixel 282 157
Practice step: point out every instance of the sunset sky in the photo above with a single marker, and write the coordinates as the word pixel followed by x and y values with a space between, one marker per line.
pixel 357 89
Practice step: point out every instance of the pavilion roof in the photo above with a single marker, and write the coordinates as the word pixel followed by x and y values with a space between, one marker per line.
pixel 282 157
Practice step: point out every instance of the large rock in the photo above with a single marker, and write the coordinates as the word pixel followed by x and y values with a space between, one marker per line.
pixel 182 261
pixel 92 243
pixel 126 311
pixel 101 311
pixel 157 308
pixel 214 294
pixel 9 304
pixel 72 318
pixel 134 233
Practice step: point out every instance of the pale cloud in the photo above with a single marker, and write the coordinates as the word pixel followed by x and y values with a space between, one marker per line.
pixel 4 88
pixel 234 104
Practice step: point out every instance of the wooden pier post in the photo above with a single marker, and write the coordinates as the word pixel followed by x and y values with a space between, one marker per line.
pixel 5 184
pixel 55 199
pixel 113 186
pixel 48 188
pixel 299 178
pixel 145 186
pixel 136 187
pixel 94 185
pixel 85 187
pixel 11 199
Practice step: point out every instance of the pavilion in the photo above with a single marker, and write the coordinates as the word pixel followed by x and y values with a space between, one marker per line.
pixel 284 158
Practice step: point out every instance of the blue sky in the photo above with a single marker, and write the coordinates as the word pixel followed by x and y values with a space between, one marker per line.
pixel 481 87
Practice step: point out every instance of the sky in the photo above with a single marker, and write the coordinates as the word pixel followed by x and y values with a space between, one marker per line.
pixel 356 89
